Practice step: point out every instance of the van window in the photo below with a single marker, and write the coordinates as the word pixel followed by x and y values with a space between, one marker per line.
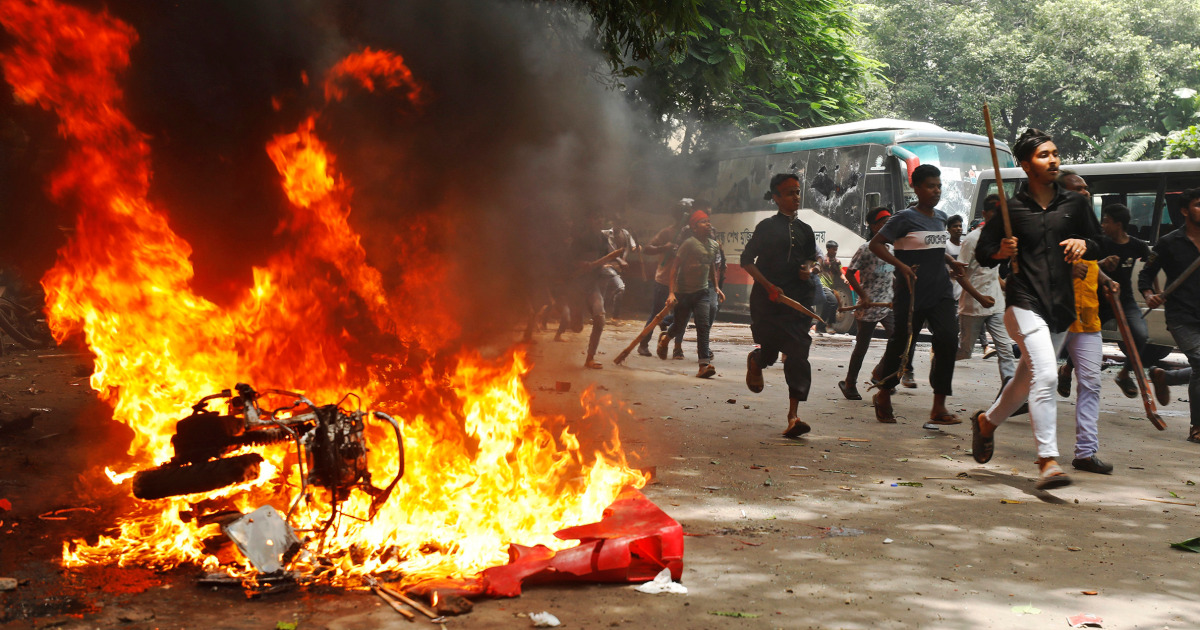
pixel 1138 192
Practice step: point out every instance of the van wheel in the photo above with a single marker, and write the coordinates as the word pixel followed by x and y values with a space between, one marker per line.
pixel 844 323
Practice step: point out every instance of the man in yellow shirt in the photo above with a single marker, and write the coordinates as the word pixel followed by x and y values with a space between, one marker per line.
pixel 1085 347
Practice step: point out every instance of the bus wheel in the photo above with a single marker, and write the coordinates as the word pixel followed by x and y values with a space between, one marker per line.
pixel 845 321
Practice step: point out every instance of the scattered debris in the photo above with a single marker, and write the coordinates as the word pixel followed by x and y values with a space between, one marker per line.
pixel 842 532
pixel 1027 609
pixel 544 620
pixel 1085 621
pixel 911 484
pixel 850 439
pixel 562 386
pixel 134 615
pixel 449 605
pixel 57 515
pixel 947 457
pixel 731 401
pixel 1170 502
pixel 286 625
pixel 662 583
pixel 1010 501
pixel 391 602
pixel 726 613
pixel 8 584
pixel 418 606
pixel 265 538
pixel 887 541
pixel 1090 592
pixel 839 472
pixel 749 543
pixel 5 505
pixel 1074 549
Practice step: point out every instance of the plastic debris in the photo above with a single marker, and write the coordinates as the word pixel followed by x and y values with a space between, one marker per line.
pixel 1027 609
pixel 1085 621
pixel 544 620
pixel 265 538
pixel 887 541
pixel 662 583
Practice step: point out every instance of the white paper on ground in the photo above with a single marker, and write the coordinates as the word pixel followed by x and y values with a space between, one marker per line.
pixel 661 583
pixel 544 620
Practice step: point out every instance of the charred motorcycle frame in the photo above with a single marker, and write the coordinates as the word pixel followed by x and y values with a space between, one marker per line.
pixel 329 439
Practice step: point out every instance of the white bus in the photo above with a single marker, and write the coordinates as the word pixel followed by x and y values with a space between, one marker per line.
pixel 844 171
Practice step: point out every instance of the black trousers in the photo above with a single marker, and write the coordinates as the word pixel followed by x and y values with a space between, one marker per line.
pixel 942 321
pixel 863 339
pixel 787 334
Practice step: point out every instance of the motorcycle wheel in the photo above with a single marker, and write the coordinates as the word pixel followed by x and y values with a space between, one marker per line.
pixel 170 481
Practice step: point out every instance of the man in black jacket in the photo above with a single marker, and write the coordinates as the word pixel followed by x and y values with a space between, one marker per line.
pixel 1055 228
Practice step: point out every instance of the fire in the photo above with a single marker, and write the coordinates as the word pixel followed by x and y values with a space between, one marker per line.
pixel 482 470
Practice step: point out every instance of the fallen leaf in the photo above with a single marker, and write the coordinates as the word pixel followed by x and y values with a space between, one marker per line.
pixel 1191 544
pixel 1090 592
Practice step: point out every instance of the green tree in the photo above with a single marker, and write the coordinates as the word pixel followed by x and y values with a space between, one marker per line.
pixel 756 66
pixel 1083 66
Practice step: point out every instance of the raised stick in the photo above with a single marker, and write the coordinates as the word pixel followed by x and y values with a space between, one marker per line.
pixel 1175 283
pixel 1131 351
pixel 642 335
pixel 987 121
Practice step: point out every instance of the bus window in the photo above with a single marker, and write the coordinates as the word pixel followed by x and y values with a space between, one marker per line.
pixel 961 165
pixel 834 186
pixel 740 185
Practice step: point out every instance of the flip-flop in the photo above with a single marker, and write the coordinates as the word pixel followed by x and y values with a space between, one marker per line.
pixel 849 391
pixel 946 418
pixel 796 428
pixel 981 447
pixel 593 365
pixel 883 412
pixel 1052 477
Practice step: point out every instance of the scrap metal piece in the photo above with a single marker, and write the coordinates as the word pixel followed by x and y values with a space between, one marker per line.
pixel 265 538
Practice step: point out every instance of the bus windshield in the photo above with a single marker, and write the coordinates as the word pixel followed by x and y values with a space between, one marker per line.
pixel 960 165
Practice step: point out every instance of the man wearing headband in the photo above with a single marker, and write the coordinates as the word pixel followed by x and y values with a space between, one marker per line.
pixel 779 256
pixel 1054 228
pixel 693 285
pixel 873 285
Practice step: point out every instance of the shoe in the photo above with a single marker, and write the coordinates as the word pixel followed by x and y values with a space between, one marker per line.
pixel 1051 477
pixel 1128 387
pixel 1162 393
pixel 1064 380
pixel 989 353
pixel 645 351
pixel 1092 464
pixel 678 354
pixel 754 377
pixel 796 428
pixel 981 447
pixel 706 371
pixel 663 342
pixel 907 380
pixel 1194 435
pixel 849 390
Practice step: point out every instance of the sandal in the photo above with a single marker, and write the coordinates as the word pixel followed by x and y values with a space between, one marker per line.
pixel 883 411
pixel 1051 477
pixel 796 428
pixel 593 365
pixel 849 391
pixel 945 418
pixel 1194 435
pixel 982 447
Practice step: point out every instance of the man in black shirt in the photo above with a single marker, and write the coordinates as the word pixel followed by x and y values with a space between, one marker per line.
pixel 1173 254
pixel 1055 228
pixel 779 256
pixel 1119 251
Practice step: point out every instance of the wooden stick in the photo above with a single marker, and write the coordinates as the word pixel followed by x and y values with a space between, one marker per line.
pixel 862 305
pixel 421 608
pixel 849 439
pixel 642 335
pixel 1171 502
pixel 393 603
pixel 1175 283
pixel 787 301
pixel 1131 351
pixel 987 121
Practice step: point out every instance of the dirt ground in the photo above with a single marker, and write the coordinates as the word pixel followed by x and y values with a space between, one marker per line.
pixel 808 533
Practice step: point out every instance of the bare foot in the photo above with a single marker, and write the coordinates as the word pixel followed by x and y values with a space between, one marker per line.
pixel 593 365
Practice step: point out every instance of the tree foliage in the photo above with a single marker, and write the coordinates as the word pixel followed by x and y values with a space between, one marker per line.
pixel 757 66
pixel 1082 70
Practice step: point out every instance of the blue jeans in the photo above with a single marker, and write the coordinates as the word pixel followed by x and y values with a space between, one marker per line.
pixel 1187 337
pixel 661 291
pixel 699 305
pixel 1087 352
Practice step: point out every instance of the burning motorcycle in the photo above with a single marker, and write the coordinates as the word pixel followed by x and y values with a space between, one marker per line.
pixel 329 439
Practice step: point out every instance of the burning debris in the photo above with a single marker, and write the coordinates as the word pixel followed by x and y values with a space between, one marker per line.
pixel 491 475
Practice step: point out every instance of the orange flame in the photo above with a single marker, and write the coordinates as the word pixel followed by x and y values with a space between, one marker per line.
pixel 483 471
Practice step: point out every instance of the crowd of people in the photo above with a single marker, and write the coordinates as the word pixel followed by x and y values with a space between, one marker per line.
pixel 1042 284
